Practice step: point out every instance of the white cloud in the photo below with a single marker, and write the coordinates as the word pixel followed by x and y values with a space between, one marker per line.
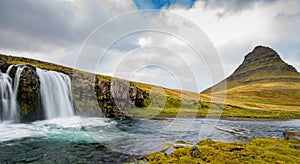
pixel 235 34
pixel 144 41
pixel 233 30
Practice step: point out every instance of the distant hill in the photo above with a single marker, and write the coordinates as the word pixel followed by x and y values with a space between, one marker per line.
pixel 262 81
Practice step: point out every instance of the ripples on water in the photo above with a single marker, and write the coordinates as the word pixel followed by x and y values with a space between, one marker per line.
pixel 106 140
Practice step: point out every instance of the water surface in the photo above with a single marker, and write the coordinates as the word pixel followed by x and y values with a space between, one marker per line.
pixel 105 140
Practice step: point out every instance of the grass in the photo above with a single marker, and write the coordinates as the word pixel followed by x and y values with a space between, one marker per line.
pixel 262 150
pixel 282 96
pixel 214 112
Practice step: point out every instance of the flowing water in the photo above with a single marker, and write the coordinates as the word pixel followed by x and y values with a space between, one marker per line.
pixel 56 94
pixel 8 94
pixel 92 139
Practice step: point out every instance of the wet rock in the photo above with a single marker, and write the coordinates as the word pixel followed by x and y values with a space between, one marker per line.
pixel 3 66
pixel 170 151
pixel 195 153
pixel 115 97
pixel 29 95
pixel 291 135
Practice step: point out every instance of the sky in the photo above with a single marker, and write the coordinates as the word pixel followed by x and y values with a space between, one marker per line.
pixel 183 44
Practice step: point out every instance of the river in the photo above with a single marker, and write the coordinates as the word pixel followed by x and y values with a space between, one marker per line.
pixel 96 140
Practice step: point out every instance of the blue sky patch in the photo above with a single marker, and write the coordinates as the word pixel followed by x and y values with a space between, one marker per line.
pixel 158 4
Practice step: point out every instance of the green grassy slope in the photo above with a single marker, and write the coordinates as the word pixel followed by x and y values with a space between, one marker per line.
pixel 166 102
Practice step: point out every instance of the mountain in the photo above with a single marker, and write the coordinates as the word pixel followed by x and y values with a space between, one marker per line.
pixel 262 81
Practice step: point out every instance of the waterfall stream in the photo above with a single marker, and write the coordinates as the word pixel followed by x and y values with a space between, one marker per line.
pixel 8 94
pixel 55 90
pixel 56 94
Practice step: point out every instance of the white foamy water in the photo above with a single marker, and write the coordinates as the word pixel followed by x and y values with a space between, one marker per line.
pixel 70 129
pixel 56 94
pixel 8 95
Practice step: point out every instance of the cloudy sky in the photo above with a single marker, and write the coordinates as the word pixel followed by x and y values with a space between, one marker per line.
pixel 181 44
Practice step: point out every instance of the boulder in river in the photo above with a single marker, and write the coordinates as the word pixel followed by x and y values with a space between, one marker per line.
pixel 291 135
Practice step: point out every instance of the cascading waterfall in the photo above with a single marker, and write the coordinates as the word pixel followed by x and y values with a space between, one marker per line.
pixel 8 94
pixel 56 94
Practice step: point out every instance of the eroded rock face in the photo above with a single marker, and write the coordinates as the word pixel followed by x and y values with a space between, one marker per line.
pixel 29 95
pixel 84 95
pixel 3 66
pixel 116 97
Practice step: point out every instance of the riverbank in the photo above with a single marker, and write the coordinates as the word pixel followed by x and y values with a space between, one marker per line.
pixel 260 150
pixel 228 113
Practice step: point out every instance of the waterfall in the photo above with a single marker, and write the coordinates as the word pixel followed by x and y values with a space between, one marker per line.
pixel 8 94
pixel 56 94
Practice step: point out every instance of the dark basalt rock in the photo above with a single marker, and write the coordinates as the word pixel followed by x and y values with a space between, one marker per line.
pixel 84 95
pixel 116 97
pixel 3 66
pixel 29 95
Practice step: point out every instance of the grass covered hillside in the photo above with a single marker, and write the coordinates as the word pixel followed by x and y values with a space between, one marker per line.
pixel 262 87
pixel 263 81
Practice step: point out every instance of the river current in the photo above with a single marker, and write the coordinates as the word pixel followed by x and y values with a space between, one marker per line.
pixel 82 140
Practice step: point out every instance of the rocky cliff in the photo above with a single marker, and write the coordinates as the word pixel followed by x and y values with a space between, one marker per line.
pixel 94 95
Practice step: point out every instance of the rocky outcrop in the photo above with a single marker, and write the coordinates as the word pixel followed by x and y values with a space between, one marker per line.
pixel 29 95
pixel 84 95
pixel 3 66
pixel 93 95
pixel 116 97
pixel 291 135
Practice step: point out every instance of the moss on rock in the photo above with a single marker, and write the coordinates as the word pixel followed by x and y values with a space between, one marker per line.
pixel 261 150
pixel 29 95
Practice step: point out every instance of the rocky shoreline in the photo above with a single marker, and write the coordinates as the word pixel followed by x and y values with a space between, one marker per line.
pixel 259 150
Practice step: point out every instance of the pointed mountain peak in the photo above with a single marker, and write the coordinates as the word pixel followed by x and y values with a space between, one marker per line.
pixel 262 63
pixel 261 54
